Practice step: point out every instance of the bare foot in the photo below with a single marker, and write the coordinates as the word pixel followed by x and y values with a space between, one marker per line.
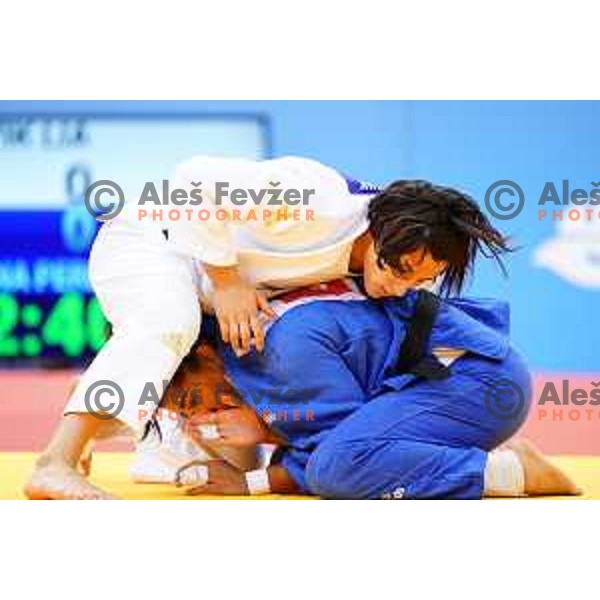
pixel 542 478
pixel 85 464
pixel 58 481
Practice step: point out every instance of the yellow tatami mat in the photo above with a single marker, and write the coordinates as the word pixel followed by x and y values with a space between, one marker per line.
pixel 110 473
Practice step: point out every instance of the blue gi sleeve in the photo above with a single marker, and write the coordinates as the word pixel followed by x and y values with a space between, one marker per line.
pixel 301 385
pixel 295 462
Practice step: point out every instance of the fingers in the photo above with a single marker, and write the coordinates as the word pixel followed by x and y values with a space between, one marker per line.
pixel 236 331
pixel 257 333
pixel 264 305
pixel 204 428
pixel 194 472
pixel 210 489
pixel 200 487
pixel 234 336
pixel 239 335
pixel 246 329
pixel 217 481
pixel 206 432
pixel 224 327
pixel 209 432
pixel 243 328
pixel 202 490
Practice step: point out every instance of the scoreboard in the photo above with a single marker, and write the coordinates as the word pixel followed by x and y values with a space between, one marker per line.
pixel 48 314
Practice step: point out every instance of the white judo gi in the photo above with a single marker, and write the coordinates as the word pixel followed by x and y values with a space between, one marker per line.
pixel 149 283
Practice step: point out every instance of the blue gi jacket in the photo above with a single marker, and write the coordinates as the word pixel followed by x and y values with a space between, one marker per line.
pixel 325 359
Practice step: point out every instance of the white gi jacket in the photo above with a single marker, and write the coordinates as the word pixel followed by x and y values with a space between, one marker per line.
pixel 148 285
pixel 272 251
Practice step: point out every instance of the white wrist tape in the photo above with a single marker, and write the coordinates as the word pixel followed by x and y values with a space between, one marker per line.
pixel 258 482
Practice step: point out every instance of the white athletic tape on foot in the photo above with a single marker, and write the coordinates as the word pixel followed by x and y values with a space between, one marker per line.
pixel 504 475
pixel 258 482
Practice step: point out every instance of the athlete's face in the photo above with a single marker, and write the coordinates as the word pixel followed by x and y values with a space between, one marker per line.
pixel 420 269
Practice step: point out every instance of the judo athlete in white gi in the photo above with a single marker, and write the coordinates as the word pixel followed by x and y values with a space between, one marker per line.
pixel 150 277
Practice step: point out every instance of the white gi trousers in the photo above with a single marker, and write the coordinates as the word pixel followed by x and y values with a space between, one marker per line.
pixel 149 294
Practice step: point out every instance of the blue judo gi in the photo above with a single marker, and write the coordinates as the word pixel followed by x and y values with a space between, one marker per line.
pixel 366 431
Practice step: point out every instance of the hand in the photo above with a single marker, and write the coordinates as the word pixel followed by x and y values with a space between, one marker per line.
pixel 237 305
pixel 229 427
pixel 223 479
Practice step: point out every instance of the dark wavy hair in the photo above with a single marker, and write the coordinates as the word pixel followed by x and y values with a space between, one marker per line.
pixel 414 214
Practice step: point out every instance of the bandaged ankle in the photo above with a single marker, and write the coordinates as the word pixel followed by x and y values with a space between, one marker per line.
pixel 504 475
pixel 258 482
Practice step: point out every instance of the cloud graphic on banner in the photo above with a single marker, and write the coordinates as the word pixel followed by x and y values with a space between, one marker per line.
pixel 573 253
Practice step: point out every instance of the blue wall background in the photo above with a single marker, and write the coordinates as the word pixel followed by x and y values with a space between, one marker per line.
pixel 466 144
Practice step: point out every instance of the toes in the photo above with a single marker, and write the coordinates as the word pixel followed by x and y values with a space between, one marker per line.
pixel 62 484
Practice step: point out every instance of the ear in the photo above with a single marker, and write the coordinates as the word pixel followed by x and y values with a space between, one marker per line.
pixel 414 258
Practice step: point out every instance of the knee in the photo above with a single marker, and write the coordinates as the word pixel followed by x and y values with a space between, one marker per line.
pixel 366 469
pixel 179 335
pixel 332 472
pixel 176 330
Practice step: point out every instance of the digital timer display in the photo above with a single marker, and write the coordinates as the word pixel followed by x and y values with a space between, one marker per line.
pixel 48 313
pixel 71 325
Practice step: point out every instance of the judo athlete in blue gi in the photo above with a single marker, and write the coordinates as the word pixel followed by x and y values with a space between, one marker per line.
pixel 398 398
